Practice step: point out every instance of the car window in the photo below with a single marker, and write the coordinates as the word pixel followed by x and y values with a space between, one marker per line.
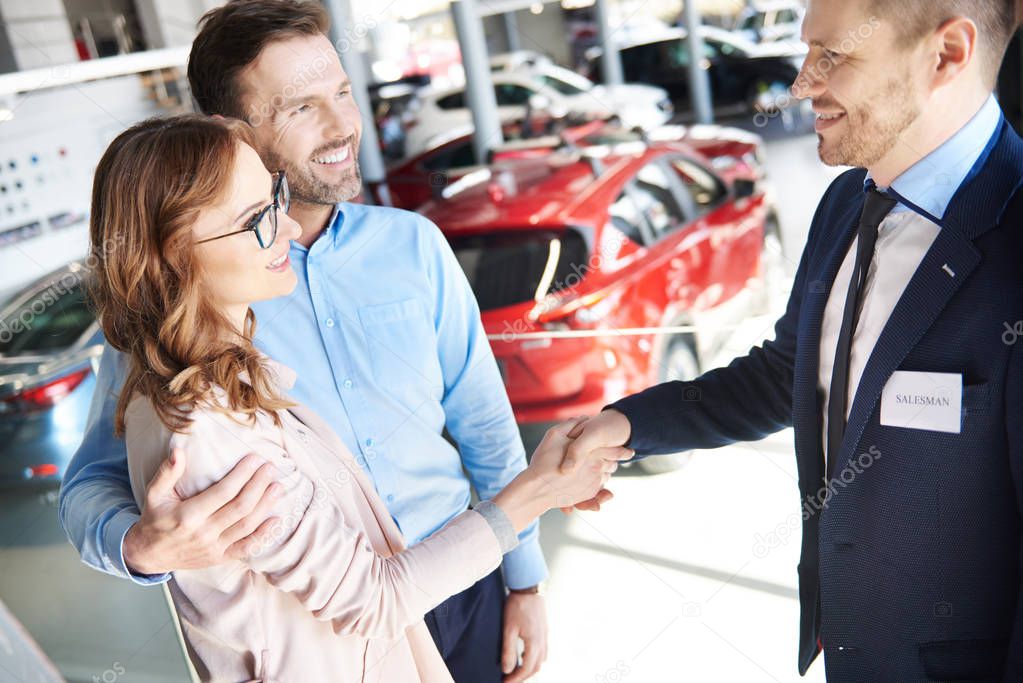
pixel 706 189
pixel 455 100
pixel 563 87
pixel 52 319
pixel 517 266
pixel 640 61
pixel 653 195
pixel 627 218
pixel 454 156
pixel 510 94
pixel 753 21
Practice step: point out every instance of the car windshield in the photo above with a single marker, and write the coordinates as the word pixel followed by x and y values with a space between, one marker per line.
pixel 566 82
pixel 52 319
pixel 516 266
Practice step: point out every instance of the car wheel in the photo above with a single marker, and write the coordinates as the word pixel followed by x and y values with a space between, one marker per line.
pixel 772 264
pixel 679 362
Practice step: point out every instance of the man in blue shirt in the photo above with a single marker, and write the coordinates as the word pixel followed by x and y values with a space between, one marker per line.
pixel 384 333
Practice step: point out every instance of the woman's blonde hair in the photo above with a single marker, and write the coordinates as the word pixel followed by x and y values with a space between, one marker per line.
pixel 150 186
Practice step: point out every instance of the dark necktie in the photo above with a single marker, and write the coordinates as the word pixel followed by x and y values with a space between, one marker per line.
pixel 875 208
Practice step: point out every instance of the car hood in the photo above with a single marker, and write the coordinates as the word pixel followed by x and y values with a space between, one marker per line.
pixel 617 97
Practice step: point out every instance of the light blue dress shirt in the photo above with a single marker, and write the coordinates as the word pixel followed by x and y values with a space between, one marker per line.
pixel 927 187
pixel 385 336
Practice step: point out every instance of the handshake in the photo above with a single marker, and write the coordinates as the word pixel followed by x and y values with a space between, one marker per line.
pixel 569 468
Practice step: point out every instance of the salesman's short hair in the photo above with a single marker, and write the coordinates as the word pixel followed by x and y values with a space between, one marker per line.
pixel 996 22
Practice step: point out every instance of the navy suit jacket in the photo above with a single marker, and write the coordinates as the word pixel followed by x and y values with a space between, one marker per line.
pixel 917 574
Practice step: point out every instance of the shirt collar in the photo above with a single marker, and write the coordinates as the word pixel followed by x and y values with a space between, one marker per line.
pixel 333 228
pixel 929 185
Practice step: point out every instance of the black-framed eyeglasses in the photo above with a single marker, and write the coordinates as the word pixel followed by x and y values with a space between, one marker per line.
pixel 264 222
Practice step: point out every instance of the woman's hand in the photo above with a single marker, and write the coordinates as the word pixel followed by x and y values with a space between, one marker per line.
pixel 545 484
pixel 568 485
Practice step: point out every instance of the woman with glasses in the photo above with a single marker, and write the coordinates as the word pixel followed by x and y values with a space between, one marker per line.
pixel 188 228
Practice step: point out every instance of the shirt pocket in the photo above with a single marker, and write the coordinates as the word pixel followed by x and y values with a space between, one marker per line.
pixel 402 347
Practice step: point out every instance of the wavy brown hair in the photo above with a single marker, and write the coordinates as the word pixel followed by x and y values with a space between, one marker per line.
pixel 150 186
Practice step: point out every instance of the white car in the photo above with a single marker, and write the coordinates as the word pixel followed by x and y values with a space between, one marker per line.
pixel 546 88
pixel 768 22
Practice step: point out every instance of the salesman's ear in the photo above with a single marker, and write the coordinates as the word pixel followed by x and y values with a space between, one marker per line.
pixel 218 117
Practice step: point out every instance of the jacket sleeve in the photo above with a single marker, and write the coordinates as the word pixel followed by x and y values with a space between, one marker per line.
pixel 325 560
pixel 745 401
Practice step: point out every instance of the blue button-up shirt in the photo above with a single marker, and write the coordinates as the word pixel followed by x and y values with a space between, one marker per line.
pixel 385 336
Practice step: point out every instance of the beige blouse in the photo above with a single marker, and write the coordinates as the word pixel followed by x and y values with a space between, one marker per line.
pixel 335 595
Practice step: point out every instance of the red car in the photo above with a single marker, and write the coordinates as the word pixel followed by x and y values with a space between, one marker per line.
pixel 416 180
pixel 574 257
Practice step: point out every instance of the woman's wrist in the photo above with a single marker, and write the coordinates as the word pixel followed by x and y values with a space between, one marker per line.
pixel 522 500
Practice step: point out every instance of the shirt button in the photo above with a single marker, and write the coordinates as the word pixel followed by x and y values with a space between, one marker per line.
pixel 329 322
pixel 369 443
pixel 349 384
pixel 390 498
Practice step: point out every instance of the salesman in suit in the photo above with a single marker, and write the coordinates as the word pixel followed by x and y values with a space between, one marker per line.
pixel 896 360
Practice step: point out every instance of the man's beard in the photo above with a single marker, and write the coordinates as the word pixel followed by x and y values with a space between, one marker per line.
pixel 868 137
pixel 307 188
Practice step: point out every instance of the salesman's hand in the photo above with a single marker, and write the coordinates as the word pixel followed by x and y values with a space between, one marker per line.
pixel 207 529
pixel 599 436
pixel 582 482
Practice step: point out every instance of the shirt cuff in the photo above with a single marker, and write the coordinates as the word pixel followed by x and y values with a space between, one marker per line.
pixel 113 551
pixel 525 567
pixel 500 524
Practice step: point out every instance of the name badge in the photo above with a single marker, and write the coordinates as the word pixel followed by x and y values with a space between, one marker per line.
pixel 923 400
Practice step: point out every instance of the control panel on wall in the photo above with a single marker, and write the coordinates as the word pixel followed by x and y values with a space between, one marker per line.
pixel 49 148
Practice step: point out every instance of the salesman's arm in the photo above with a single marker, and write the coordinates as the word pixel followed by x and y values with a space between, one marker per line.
pixel 98 513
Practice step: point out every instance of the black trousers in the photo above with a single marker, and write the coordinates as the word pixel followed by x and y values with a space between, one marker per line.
pixel 467 629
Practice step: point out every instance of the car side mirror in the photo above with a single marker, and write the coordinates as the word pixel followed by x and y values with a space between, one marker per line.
pixel 743 188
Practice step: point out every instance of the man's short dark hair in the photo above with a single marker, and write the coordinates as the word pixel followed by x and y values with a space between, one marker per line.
pixel 232 36
pixel 996 22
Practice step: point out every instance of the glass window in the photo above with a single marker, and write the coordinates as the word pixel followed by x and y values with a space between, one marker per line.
pixel 706 189
pixel 754 21
pixel 453 101
pixel 787 16
pixel 510 95
pixel 52 319
pixel 517 266
pixel 627 218
pixel 652 192
pixel 640 61
pixel 455 156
